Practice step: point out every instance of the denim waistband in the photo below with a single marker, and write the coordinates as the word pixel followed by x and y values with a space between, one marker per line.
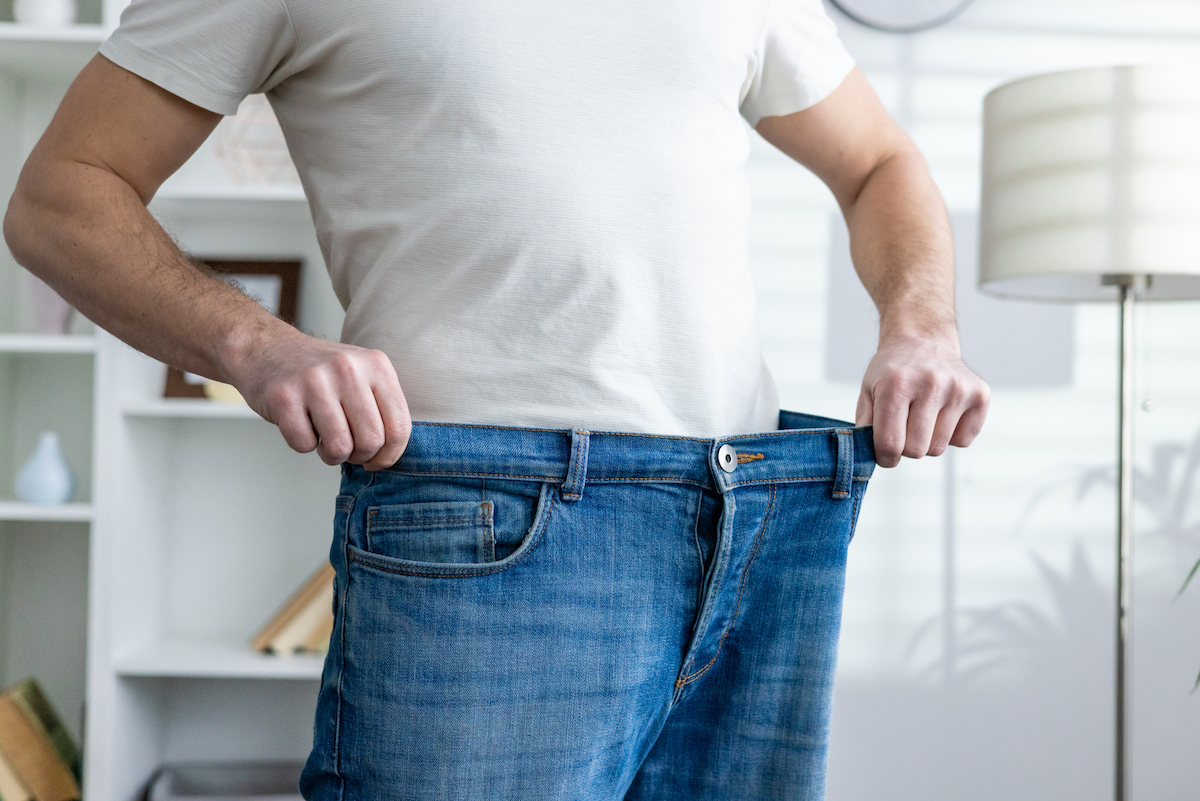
pixel 805 448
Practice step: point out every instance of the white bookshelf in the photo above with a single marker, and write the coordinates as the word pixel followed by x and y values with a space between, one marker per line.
pixel 46 513
pixel 46 343
pixel 187 408
pixel 37 54
pixel 214 659
pixel 193 522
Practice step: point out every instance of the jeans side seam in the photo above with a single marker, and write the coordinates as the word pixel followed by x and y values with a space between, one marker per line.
pixel 337 726
pixel 741 586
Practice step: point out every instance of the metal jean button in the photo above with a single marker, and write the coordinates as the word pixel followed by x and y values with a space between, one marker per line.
pixel 727 458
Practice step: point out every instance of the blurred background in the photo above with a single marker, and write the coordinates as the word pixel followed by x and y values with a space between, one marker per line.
pixel 977 650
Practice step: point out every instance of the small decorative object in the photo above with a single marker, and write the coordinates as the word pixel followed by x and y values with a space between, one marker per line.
pixel 46 478
pixel 251 148
pixel 44 13
pixel 51 313
pixel 274 284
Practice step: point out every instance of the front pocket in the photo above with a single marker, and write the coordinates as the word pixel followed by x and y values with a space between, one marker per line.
pixel 446 532
pixel 519 524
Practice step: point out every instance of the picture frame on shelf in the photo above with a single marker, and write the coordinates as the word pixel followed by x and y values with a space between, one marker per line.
pixel 275 284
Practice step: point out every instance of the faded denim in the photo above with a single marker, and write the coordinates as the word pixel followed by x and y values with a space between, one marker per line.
pixel 531 615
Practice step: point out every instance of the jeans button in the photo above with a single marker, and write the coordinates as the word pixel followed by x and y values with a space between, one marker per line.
pixel 727 458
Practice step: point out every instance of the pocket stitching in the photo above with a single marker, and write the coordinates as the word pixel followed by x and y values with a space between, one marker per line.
pixel 401 522
pixel 368 559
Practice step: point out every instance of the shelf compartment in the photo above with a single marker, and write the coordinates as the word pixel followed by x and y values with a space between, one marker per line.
pixel 214 659
pixel 182 194
pixel 38 53
pixel 185 408
pixel 58 513
pixel 46 343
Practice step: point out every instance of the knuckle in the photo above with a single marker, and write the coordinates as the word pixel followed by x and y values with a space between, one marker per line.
pixel 399 430
pixel 369 443
pixel 337 446
pixel 281 396
pixel 957 394
pixel 343 364
pixel 298 440
pixel 896 379
pixel 313 377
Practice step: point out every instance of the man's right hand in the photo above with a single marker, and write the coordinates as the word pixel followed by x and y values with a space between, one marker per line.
pixel 78 220
pixel 343 401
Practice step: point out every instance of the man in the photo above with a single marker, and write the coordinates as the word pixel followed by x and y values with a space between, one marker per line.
pixel 535 214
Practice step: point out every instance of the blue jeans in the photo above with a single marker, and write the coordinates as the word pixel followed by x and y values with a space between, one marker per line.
pixel 529 614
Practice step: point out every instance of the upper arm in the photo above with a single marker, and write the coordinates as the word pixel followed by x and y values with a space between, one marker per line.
pixel 114 120
pixel 842 139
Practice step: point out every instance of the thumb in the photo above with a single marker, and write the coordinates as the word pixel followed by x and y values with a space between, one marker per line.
pixel 866 408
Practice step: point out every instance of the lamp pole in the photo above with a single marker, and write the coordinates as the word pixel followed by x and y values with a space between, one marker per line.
pixel 1128 287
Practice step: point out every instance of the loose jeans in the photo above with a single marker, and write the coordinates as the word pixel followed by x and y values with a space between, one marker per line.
pixel 529 614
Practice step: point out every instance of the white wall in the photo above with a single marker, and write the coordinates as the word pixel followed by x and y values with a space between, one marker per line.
pixel 976 659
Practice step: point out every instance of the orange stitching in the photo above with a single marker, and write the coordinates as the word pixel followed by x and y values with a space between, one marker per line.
pixel 758 541
pixel 743 458
pixel 788 480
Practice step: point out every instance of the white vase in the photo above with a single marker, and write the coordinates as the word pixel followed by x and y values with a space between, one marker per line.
pixel 46 478
pixel 47 13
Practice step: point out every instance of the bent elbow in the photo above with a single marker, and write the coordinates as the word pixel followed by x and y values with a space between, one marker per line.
pixel 13 224
pixel 23 219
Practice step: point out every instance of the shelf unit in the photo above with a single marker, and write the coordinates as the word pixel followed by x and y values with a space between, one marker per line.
pixel 46 343
pixel 49 513
pixel 193 521
pixel 214 659
pixel 186 408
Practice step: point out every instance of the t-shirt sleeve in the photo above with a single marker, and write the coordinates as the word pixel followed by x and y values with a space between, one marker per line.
pixel 800 60
pixel 209 52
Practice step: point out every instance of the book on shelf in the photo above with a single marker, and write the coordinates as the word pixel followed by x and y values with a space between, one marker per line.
pixel 40 713
pixel 37 765
pixel 305 622
pixel 11 787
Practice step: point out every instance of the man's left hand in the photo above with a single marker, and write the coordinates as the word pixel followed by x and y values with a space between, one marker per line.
pixel 920 397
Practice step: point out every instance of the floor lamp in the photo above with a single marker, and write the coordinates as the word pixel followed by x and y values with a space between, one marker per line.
pixel 1091 192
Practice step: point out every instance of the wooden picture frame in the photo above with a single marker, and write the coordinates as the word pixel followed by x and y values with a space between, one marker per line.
pixel 274 284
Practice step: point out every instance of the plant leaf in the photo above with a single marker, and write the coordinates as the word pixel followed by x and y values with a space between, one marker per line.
pixel 1188 580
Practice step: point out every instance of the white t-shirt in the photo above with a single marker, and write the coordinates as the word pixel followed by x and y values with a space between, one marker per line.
pixel 537 208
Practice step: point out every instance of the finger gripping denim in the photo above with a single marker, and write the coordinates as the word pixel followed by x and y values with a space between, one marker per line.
pixel 570 615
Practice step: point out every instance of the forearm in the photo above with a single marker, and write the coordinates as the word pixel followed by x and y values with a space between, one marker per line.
pixel 916 392
pixel 903 249
pixel 87 233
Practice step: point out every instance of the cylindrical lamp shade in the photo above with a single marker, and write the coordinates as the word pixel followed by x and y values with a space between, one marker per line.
pixel 1092 173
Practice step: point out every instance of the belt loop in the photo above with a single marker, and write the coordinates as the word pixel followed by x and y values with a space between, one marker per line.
pixel 572 486
pixel 845 464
